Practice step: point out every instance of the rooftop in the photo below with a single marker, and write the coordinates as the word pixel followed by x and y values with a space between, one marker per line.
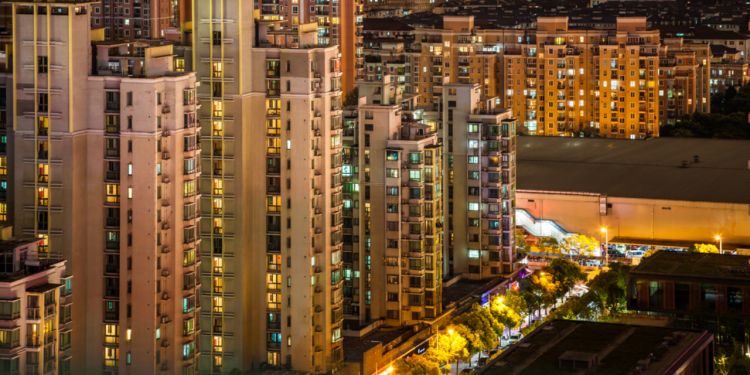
pixel 696 265
pixel 660 168
pixel 357 346
pixel 603 348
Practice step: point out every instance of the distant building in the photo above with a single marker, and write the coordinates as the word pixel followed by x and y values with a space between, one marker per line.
pixel 144 19
pixel 565 81
pixel 35 311
pixel 338 24
pixel 559 78
pixel 562 346
pixel 684 80
pixel 728 69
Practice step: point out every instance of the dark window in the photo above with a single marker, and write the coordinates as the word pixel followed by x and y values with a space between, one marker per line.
pixel 42 64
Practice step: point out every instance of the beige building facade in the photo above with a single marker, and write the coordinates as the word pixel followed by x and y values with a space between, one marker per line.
pixel 100 164
pixel 35 311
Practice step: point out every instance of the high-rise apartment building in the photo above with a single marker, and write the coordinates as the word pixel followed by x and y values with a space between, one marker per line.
pixel 453 54
pixel 339 23
pixel 47 141
pixel 296 214
pixel 223 33
pixel 684 79
pixel 137 19
pixel 393 211
pixel 564 81
pixel 430 192
pixel 272 233
pixel 480 181
pixel 105 173
pixel 142 311
pixel 34 311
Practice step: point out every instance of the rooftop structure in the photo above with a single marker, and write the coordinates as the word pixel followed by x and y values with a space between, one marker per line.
pixel 675 265
pixel 603 348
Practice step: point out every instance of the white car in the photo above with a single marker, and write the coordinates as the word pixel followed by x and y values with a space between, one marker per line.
pixel 635 253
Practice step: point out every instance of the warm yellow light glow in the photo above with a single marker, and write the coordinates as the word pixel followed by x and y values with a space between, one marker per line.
pixel 603 229
pixel 450 331
pixel 717 237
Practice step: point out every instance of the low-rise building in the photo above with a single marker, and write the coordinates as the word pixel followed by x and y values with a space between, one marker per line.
pixel 563 346
pixel 691 284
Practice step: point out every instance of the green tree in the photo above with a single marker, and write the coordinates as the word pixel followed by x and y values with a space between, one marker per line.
pixel 566 275
pixel 501 310
pixel 417 364
pixel 579 244
pixel 704 248
pixel 607 289
pixel 450 346
pixel 538 290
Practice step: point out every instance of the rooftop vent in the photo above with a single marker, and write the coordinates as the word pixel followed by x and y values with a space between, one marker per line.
pixel 574 360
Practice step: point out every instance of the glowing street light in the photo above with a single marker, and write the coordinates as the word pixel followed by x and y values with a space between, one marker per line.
pixel 721 244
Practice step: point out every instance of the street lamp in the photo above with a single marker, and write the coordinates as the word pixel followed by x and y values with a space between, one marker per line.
pixel 721 244
pixel 606 245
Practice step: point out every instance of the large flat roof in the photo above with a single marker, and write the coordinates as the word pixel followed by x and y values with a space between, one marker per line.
pixel 650 168
pixel 668 264
pixel 610 348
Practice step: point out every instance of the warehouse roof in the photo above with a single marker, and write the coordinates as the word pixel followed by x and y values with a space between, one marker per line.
pixel 688 169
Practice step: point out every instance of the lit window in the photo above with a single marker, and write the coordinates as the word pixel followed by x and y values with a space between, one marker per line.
pixel 473 206
pixel 217 70
pixel 217 108
pixel 218 343
pixel 218 186
pixel 217 128
pixel 42 196
pixel 111 333
pixel 473 254
pixel 218 304
pixel 218 225
pixel 273 301
pixel 218 264
pixel 218 284
pixel 42 170
pixel 113 193
pixel 218 206
pixel 273 203
pixel 111 356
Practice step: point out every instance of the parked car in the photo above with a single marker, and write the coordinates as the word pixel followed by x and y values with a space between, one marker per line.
pixel 482 361
pixel 635 253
